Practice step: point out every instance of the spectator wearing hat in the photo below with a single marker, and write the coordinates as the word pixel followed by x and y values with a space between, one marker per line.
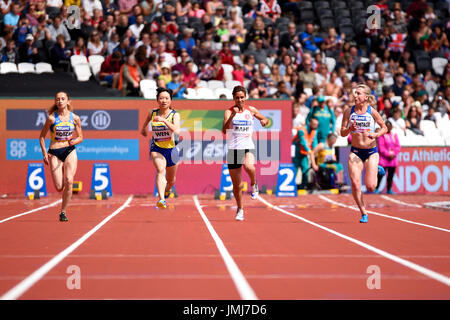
pixel 166 75
pixel 326 119
pixel 187 42
pixel 176 85
pixel 28 52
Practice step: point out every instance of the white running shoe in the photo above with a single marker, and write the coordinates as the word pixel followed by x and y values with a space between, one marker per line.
pixel 240 215
pixel 255 191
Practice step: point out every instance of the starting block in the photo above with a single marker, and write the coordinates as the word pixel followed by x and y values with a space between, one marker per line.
pixel 77 186
pixel 103 195
pixel 222 195
pixel 34 195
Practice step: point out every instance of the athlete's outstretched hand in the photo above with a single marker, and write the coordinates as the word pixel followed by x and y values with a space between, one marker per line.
pixel 144 132
pixel 264 122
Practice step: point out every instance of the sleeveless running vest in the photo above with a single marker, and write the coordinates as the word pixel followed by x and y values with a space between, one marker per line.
pixel 162 135
pixel 364 122
pixel 62 130
pixel 241 130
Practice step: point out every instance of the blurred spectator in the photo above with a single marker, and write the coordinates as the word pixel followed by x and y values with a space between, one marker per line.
pixel 5 6
pixel 257 31
pixel 58 28
pixel 187 42
pixel 270 9
pixel 126 6
pixel 202 54
pixel 398 123
pixel 196 10
pixel 226 55
pixel 90 5
pixel 137 27
pixel 122 25
pixel 441 104
pixel 399 84
pixel 176 85
pixel 234 7
pixel 9 53
pixel 166 73
pixel 31 14
pixel 28 52
pixel 60 54
pixel 326 118
pixel 332 88
pixel 359 75
pixel 310 41
pixel 389 148
pixel 431 116
pixel 282 91
pixel 212 5
pixel 222 31
pixel 130 77
pixel 189 77
pixel 11 19
pixel 307 75
pixel 298 118
pixel 399 23
pixel 23 28
pixel 333 42
pixel 238 73
pixel 413 119
pixel 80 48
pixel 110 69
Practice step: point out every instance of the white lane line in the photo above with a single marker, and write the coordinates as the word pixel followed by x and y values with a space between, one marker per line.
pixel 401 202
pixel 383 215
pixel 37 275
pixel 243 287
pixel 427 272
pixel 31 211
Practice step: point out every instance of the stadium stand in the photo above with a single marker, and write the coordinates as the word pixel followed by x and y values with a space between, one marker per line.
pixel 405 57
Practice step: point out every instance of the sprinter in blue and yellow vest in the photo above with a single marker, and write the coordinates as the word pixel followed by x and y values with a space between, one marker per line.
pixel 164 123
pixel 65 129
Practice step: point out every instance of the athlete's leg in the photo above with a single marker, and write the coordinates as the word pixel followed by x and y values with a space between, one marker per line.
pixel 236 178
pixel 70 167
pixel 249 167
pixel 160 164
pixel 56 168
pixel 170 177
pixel 355 167
pixel 371 175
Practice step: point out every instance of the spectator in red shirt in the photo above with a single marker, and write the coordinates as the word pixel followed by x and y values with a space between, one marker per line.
pixel 225 54
pixel 189 76
pixel 110 69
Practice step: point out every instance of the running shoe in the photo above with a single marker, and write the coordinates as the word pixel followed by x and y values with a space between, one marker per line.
pixel 381 171
pixel 240 215
pixel 364 218
pixel 166 194
pixel 390 192
pixel 255 191
pixel 63 217
pixel 161 204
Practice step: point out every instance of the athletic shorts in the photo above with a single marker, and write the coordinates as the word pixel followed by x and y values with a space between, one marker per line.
pixel 236 157
pixel 170 154
pixel 61 153
pixel 364 154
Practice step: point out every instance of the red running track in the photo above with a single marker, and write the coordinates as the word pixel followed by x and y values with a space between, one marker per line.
pixel 146 253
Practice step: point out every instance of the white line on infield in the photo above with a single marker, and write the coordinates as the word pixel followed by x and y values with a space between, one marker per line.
pixel 384 215
pixel 427 272
pixel 31 211
pixel 244 289
pixel 29 281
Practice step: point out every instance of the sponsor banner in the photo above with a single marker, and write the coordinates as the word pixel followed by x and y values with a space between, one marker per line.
pixel 199 151
pixel 420 170
pixel 89 149
pixel 213 119
pixel 34 119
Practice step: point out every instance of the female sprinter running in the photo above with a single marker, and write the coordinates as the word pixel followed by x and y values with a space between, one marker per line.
pixel 359 121
pixel 62 155
pixel 238 126
pixel 165 121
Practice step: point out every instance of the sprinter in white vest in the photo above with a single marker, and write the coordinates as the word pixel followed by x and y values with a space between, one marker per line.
pixel 238 127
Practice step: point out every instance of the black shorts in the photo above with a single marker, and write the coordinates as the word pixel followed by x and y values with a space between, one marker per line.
pixel 61 153
pixel 235 157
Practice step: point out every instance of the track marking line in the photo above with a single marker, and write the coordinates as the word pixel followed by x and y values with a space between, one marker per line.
pixel 245 291
pixel 31 211
pixel 401 202
pixel 411 265
pixel 37 275
pixel 384 215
